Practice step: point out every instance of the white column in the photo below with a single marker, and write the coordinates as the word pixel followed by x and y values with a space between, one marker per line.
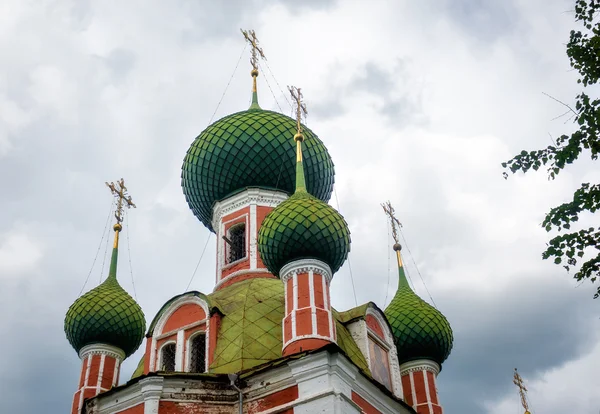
pixel 151 391
pixel 179 351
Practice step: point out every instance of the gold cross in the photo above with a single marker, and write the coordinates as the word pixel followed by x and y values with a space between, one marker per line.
pixel 518 381
pixel 251 38
pixel 300 105
pixel 120 192
pixel 391 213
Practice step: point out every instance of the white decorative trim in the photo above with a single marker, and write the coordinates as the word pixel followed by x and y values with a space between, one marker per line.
pixel 240 273
pixel 310 336
pixel 100 373
pixel 257 196
pixel 152 364
pixel 184 300
pixel 253 235
pixel 420 365
pixel 306 266
pixel 179 350
pixel 151 390
pixel 413 393
pixel 311 295
pixel 115 379
pixel 426 382
pixel 101 349
pixel 184 328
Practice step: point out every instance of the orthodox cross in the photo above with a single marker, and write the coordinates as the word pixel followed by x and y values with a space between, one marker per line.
pixel 518 381
pixel 251 38
pixel 123 199
pixel 391 213
pixel 300 105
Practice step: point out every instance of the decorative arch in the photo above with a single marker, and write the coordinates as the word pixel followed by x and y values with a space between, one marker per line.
pixel 182 317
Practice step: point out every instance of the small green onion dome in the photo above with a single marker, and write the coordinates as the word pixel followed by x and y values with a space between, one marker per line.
pixel 250 149
pixel 107 315
pixel 420 331
pixel 303 227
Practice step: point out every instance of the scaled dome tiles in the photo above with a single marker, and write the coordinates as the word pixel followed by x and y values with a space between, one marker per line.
pixel 107 315
pixel 420 331
pixel 251 149
pixel 303 227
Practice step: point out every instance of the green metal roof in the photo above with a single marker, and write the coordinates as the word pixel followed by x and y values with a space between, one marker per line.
pixel 251 332
pixel 303 227
pixel 107 315
pixel 252 148
pixel 419 329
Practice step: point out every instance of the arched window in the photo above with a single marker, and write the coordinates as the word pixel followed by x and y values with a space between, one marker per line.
pixel 198 353
pixel 167 358
pixel 236 242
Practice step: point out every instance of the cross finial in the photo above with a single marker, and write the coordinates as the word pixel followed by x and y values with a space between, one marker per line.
pixel 251 38
pixel 391 213
pixel 300 106
pixel 518 381
pixel 123 199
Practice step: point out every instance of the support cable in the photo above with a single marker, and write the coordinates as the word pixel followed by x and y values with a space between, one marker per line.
pixel 337 201
pixel 228 83
pixel 110 210
pixel 272 93
pixel 417 267
pixel 199 260
pixel 278 85
pixel 389 249
pixel 129 253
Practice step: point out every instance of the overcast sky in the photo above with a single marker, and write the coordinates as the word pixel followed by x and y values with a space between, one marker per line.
pixel 417 102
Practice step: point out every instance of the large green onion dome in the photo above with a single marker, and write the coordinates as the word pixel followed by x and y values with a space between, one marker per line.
pixel 250 149
pixel 420 331
pixel 303 227
pixel 106 315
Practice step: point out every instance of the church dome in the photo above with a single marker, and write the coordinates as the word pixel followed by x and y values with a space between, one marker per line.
pixel 107 315
pixel 303 227
pixel 420 330
pixel 250 149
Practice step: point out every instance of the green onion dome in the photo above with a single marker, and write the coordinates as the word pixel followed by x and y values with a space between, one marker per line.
pixel 250 149
pixel 303 227
pixel 420 331
pixel 107 315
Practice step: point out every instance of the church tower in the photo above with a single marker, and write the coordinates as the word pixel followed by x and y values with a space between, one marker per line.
pixel 105 325
pixel 304 241
pixel 422 335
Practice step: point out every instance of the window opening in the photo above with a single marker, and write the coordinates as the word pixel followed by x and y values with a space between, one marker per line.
pixel 380 364
pixel 236 241
pixel 168 358
pixel 198 353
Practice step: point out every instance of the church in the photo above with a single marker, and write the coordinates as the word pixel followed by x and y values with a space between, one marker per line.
pixel 266 339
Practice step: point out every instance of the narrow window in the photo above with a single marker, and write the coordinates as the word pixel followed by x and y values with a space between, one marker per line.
pixel 236 242
pixel 167 358
pixel 198 353
pixel 380 363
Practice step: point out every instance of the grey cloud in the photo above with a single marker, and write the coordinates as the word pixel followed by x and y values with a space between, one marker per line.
pixel 484 21
pixel 391 87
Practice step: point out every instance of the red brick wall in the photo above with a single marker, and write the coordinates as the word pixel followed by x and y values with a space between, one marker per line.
pixel 364 405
